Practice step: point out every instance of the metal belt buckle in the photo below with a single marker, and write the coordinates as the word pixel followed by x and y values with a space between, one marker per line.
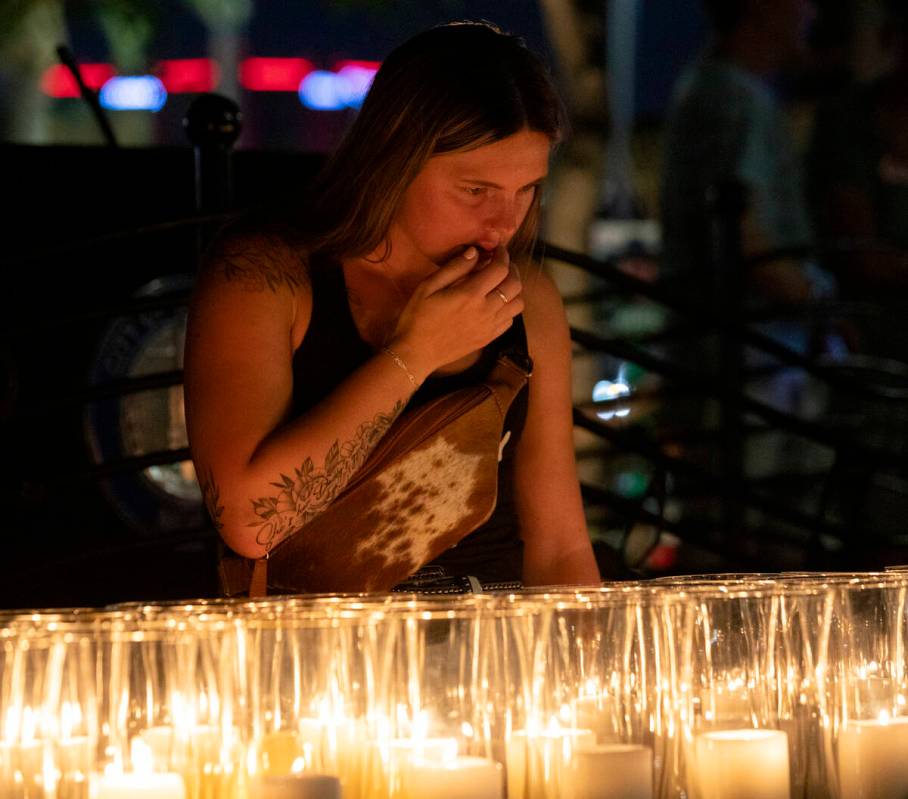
pixel 432 580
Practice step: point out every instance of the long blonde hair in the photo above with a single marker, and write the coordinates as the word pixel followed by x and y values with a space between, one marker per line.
pixel 454 87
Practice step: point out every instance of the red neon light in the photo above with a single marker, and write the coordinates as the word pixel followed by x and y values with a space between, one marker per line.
pixel 370 65
pixel 274 74
pixel 186 75
pixel 57 81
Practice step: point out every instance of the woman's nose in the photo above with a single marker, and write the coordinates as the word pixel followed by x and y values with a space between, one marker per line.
pixel 503 219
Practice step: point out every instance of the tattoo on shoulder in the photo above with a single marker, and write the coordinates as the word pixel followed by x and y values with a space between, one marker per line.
pixel 304 494
pixel 260 262
pixel 211 496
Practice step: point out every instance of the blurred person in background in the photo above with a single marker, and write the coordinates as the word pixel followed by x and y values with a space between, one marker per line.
pixel 726 123
pixel 858 170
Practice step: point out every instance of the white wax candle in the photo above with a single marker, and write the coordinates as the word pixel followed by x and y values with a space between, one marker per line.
pixel 20 765
pixel 138 786
pixel 296 786
pixel 873 759
pixel 539 764
pixel 160 741
pixel 401 752
pixel 74 761
pixel 459 778
pixel 613 771
pixel 741 764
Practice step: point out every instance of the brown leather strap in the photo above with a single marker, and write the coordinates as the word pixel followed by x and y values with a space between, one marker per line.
pixel 258 585
pixel 235 574
pixel 505 382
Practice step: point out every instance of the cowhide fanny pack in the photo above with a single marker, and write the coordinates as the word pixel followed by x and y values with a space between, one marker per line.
pixel 432 479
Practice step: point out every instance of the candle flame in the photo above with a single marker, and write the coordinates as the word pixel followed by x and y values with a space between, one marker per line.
pixel 141 757
pixel 421 726
pixel 29 724
pixel 70 718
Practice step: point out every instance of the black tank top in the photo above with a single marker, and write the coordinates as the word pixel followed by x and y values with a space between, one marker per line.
pixel 332 349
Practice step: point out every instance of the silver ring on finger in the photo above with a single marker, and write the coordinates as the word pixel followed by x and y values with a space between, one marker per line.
pixel 504 297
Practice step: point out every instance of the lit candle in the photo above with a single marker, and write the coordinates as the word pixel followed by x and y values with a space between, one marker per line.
pixel 296 786
pixel 20 765
pixel 74 762
pixel 160 741
pixel 142 782
pixel 458 778
pixel 279 751
pixel 741 764
pixel 613 771
pixel 401 752
pixel 540 763
pixel 873 758
pixel 139 786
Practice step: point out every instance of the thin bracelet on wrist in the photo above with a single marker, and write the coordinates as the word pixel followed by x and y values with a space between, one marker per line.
pixel 400 362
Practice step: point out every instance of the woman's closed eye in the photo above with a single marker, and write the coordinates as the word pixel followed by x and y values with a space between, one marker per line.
pixel 481 191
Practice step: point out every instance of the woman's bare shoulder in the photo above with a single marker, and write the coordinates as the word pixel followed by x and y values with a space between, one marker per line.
pixel 543 305
pixel 258 256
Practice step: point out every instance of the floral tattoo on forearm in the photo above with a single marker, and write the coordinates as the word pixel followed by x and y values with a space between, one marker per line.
pixel 308 491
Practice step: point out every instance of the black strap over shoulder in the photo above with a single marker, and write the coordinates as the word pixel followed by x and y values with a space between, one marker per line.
pixel 514 345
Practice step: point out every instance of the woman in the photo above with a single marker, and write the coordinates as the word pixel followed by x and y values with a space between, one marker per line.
pixel 305 345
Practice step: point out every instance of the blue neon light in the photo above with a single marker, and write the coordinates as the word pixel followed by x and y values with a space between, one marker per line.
pixel 133 93
pixel 320 91
pixel 333 91
pixel 354 83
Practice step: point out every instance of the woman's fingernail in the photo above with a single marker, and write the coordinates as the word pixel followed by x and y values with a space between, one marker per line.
pixel 469 253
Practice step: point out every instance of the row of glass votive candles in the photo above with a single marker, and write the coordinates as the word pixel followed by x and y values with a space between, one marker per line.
pixel 719 687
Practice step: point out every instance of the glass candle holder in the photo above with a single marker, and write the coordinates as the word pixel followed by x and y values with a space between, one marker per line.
pixel 47 706
pixel 437 670
pixel 799 660
pixel 170 714
pixel 731 741
pixel 310 669
pixel 865 691
pixel 602 654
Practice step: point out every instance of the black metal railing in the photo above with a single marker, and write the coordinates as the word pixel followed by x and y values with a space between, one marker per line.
pixel 722 315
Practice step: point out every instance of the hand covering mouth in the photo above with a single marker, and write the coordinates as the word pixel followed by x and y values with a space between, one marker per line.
pixel 485 253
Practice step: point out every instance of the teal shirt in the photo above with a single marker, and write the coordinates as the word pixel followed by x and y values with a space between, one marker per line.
pixel 727 123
